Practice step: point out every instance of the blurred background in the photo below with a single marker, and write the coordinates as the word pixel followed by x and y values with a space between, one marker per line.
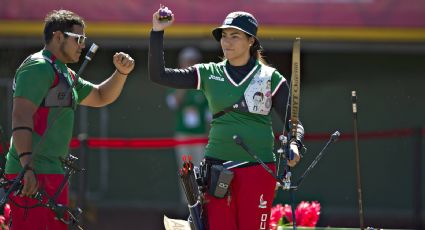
pixel 376 47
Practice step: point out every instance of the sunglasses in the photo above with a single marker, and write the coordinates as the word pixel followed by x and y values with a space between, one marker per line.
pixel 81 39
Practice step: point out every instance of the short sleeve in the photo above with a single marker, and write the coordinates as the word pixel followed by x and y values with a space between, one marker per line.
pixel 33 81
pixel 82 87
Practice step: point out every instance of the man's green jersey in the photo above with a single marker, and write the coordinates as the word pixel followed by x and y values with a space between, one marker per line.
pixel 33 81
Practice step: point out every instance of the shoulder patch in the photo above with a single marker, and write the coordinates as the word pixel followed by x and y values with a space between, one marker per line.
pixel 258 95
pixel 267 70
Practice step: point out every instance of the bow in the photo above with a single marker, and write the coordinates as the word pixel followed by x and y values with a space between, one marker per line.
pixel 294 104
pixel 67 215
pixel 294 121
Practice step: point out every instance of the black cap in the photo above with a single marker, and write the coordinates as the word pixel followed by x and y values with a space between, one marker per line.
pixel 239 20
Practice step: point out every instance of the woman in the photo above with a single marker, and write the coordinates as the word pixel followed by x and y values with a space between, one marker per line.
pixel 232 88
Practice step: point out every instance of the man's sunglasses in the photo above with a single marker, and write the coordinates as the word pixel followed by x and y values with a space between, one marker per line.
pixel 81 39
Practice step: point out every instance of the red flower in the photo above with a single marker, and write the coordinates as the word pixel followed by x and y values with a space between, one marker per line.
pixel 306 214
pixel 7 213
pixel 276 214
pixel 4 220
pixel 288 213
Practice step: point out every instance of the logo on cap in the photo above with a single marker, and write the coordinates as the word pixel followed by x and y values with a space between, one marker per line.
pixel 253 21
pixel 228 21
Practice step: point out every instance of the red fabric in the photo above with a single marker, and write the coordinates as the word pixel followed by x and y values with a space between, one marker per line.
pixel 40 120
pixel 56 81
pixel 70 73
pixel 249 204
pixel 39 218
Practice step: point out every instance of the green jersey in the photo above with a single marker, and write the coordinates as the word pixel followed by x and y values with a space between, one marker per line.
pixel 33 81
pixel 254 128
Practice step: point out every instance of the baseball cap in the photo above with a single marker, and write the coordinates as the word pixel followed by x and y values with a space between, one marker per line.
pixel 239 20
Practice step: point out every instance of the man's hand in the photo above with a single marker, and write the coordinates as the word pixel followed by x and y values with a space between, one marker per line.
pixel 123 63
pixel 30 183
pixel 294 148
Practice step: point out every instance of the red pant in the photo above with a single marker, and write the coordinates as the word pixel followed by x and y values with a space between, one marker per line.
pixel 249 204
pixel 39 218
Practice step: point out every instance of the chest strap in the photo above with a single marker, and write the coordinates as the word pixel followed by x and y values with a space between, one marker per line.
pixel 56 95
pixel 239 106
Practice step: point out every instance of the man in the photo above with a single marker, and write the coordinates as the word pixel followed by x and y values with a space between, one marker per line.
pixel 43 114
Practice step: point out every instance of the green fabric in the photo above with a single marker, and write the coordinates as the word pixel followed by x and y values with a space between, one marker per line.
pixel 33 81
pixel 191 113
pixel 254 129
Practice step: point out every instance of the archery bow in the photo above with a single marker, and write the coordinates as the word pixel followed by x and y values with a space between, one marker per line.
pixel 43 199
pixel 294 100
pixel 294 121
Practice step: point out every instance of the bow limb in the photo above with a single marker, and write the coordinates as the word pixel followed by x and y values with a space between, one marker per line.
pixel 295 108
pixel 294 93
pixel 293 103
pixel 295 88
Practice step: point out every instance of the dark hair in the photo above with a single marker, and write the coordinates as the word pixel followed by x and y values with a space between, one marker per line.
pixel 246 23
pixel 256 51
pixel 60 20
pixel 258 94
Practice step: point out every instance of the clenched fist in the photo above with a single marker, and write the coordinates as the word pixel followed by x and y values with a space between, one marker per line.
pixel 123 63
pixel 162 18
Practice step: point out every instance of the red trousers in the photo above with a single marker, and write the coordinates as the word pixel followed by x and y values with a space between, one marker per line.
pixel 39 218
pixel 249 203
